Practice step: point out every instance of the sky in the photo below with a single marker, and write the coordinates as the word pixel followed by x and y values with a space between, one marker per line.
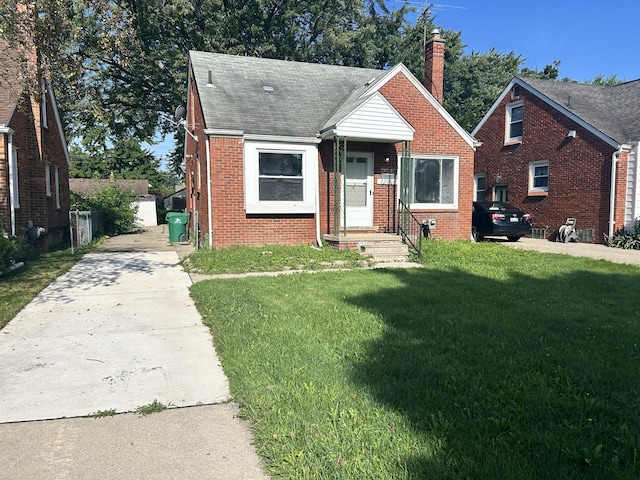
pixel 589 37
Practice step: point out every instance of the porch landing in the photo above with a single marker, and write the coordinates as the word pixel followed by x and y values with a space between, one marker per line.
pixel 383 247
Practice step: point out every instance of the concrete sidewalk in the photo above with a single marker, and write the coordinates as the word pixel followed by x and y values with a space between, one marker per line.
pixel 116 332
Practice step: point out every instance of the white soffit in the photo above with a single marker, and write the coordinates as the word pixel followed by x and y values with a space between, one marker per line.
pixel 375 119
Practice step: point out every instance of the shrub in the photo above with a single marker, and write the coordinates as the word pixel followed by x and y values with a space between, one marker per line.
pixel 629 240
pixel 8 250
pixel 116 205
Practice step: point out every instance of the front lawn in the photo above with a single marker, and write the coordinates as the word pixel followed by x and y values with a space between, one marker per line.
pixel 272 258
pixel 487 363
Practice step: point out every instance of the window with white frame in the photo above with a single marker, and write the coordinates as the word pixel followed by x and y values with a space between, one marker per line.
pixel 515 114
pixel 56 178
pixel 47 179
pixel 434 182
pixel 280 178
pixel 13 178
pixel 539 176
pixel 480 184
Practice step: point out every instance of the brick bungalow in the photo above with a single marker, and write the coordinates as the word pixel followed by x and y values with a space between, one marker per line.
pixel 298 153
pixel 561 150
pixel 34 161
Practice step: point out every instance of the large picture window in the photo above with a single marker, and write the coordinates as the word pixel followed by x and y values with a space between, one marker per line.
pixel 435 182
pixel 280 178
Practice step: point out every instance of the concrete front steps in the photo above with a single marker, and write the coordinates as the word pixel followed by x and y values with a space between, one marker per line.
pixel 382 247
pixel 386 252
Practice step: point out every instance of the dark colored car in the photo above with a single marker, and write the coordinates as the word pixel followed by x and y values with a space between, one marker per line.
pixel 499 219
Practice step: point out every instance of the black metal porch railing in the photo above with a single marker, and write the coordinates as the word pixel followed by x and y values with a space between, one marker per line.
pixel 410 229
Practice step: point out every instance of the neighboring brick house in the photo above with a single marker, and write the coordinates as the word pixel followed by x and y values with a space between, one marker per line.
pixel 34 161
pixel 561 150
pixel 268 142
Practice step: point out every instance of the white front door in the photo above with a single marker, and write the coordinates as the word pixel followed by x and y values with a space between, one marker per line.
pixel 358 190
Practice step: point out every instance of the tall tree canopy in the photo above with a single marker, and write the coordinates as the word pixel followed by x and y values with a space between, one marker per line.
pixel 117 64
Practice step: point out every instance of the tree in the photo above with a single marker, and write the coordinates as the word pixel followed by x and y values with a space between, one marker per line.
pixel 117 64
pixel 127 160
pixel 603 81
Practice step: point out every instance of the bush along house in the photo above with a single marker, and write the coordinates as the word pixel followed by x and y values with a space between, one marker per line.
pixel 297 153
pixel 34 161
pixel 563 150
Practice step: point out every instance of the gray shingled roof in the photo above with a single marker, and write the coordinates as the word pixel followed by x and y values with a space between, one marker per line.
pixel 305 95
pixel 613 110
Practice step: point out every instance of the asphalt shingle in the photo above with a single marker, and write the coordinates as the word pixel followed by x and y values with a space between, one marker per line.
pixel 304 96
pixel 613 110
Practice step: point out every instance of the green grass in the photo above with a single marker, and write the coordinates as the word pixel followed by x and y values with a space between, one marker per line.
pixel 111 412
pixel 488 363
pixel 19 287
pixel 153 407
pixel 271 258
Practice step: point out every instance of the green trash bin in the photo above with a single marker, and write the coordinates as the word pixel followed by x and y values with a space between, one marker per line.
pixel 177 222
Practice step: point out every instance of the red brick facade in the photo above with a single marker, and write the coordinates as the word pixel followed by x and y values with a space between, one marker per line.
pixel 36 146
pixel 231 225
pixel 579 167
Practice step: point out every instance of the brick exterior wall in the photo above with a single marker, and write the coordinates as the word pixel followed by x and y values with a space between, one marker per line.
pixel 435 136
pixel 579 168
pixel 36 146
pixel 232 226
pixel 434 66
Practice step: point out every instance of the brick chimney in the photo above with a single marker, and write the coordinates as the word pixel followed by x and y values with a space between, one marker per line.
pixel 434 65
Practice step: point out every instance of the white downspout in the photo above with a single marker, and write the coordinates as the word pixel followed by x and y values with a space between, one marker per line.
pixel 12 179
pixel 612 190
pixel 318 235
pixel 209 212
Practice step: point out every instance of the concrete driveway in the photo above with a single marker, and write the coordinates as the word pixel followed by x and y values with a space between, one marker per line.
pixel 117 332
pixel 590 250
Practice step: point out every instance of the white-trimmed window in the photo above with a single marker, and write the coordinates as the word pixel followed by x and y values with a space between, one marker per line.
pixel 280 178
pixel 47 179
pixel 434 182
pixel 539 176
pixel 56 178
pixel 480 187
pixel 13 178
pixel 515 114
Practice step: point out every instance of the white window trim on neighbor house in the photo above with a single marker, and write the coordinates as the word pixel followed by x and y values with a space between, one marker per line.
pixel 455 178
pixel 507 134
pixel 532 177
pixel 56 178
pixel 253 204
pixel 13 179
pixel 476 186
pixel 47 179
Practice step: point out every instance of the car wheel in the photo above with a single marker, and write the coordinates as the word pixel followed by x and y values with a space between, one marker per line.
pixel 513 238
pixel 477 236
